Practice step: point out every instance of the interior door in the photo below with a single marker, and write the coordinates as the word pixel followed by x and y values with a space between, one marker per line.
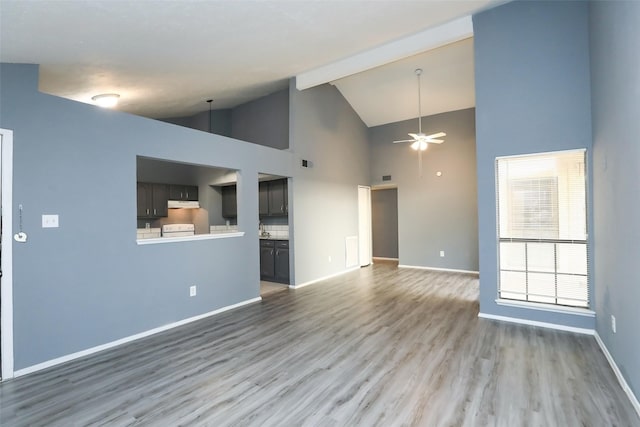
pixel 364 225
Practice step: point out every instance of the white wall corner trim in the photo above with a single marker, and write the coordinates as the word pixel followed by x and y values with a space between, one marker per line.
pixel 6 296
pixel 453 31
pixel 536 323
pixel 331 276
pixel 623 383
pixel 125 340
pixel 450 270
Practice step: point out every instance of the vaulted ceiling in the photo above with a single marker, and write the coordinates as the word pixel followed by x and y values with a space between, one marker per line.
pixel 166 58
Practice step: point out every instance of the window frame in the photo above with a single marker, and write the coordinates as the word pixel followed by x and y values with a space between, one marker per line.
pixel 525 301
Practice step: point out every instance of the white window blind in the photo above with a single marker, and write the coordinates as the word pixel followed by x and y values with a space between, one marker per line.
pixel 542 228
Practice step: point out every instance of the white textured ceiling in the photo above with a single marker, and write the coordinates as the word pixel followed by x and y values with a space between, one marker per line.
pixel 446 85
pixel 165 58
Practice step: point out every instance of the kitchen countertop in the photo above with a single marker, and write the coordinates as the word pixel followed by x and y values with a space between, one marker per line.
pixel 273 238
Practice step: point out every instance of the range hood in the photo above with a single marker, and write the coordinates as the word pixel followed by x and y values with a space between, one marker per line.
pixel 183 204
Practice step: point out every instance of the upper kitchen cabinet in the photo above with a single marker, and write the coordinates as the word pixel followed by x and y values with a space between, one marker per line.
pixel 152 200
pixel 183 192
pixel 277 199
pixel 263 198
pixel 273 198
pixel 229 201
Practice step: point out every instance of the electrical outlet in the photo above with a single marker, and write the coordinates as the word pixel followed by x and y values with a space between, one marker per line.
pixel 49 221
pixel 192 291
pixel 442 254
pixel 329 258
pixel 613 323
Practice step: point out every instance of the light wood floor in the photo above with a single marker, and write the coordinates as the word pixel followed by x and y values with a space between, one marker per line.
pixel 267 288
pixel 378 346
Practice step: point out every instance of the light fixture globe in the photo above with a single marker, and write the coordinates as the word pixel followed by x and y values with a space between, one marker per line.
pixel 106 100
pixel 419 145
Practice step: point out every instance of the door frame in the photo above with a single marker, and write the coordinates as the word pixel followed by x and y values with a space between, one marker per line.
pixel 6 264
pixel 365 241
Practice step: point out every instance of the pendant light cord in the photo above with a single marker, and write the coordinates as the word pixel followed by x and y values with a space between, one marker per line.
pixel 210 101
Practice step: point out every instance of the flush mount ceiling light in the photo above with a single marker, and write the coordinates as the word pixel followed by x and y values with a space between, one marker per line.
pixel 420 141
pixel 106 100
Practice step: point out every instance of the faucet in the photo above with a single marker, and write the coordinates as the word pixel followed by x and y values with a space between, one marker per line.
pixel 263 233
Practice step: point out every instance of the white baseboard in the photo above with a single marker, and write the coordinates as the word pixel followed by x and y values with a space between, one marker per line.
pixel 451 270
pixel 623 383
pixel 380 258
pixel 311 282
pixel 72 356
pixel 536 323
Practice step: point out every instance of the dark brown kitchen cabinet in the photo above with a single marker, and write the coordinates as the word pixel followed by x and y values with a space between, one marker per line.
pixel 281 261
pixel 274 260
pixel 229 201
pixel 183 192
pixel 267 257
pixel 273 200
pixel 276 198
pixel 152 200
pixel 263 198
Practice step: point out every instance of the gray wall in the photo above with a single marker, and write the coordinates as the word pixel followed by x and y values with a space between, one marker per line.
pixel 615 67
pixel 532 95
pixel 87 283
pixel 220 121
pixel 434 213
pixel 325 130
pixel 384 222
pixel 264 121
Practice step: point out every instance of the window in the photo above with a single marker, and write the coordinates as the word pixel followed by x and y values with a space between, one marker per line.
pixel 542 228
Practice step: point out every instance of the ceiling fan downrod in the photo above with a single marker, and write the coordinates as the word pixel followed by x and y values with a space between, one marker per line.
pixel 418 74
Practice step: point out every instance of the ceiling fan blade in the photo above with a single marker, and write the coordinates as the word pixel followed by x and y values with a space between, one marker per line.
pixel 416 136
pixel 434 141
pixel 404 140
pixel 436 135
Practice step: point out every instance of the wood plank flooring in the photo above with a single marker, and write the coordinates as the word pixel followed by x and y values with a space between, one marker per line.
pixel 380 346
pixel 267 288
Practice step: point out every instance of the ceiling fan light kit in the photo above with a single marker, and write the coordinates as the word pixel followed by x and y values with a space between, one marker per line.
pixel 419 145
pixel 420 141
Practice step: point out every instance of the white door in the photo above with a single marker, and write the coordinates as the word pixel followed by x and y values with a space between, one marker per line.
pixel 364 225
pixel 6 284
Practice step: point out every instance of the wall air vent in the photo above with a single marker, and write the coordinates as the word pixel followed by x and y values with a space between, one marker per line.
pixel 386 177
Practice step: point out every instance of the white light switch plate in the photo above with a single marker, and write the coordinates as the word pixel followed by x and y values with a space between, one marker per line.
pixel 49 221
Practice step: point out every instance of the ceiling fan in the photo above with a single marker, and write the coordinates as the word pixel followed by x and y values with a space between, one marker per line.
pixel 419 140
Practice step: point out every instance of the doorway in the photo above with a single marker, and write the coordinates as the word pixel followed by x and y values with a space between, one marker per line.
pixel 273 232
pixel 364 225
pixel 6 281
pixel 384 218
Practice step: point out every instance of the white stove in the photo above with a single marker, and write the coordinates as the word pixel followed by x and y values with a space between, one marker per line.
pixel 178 230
